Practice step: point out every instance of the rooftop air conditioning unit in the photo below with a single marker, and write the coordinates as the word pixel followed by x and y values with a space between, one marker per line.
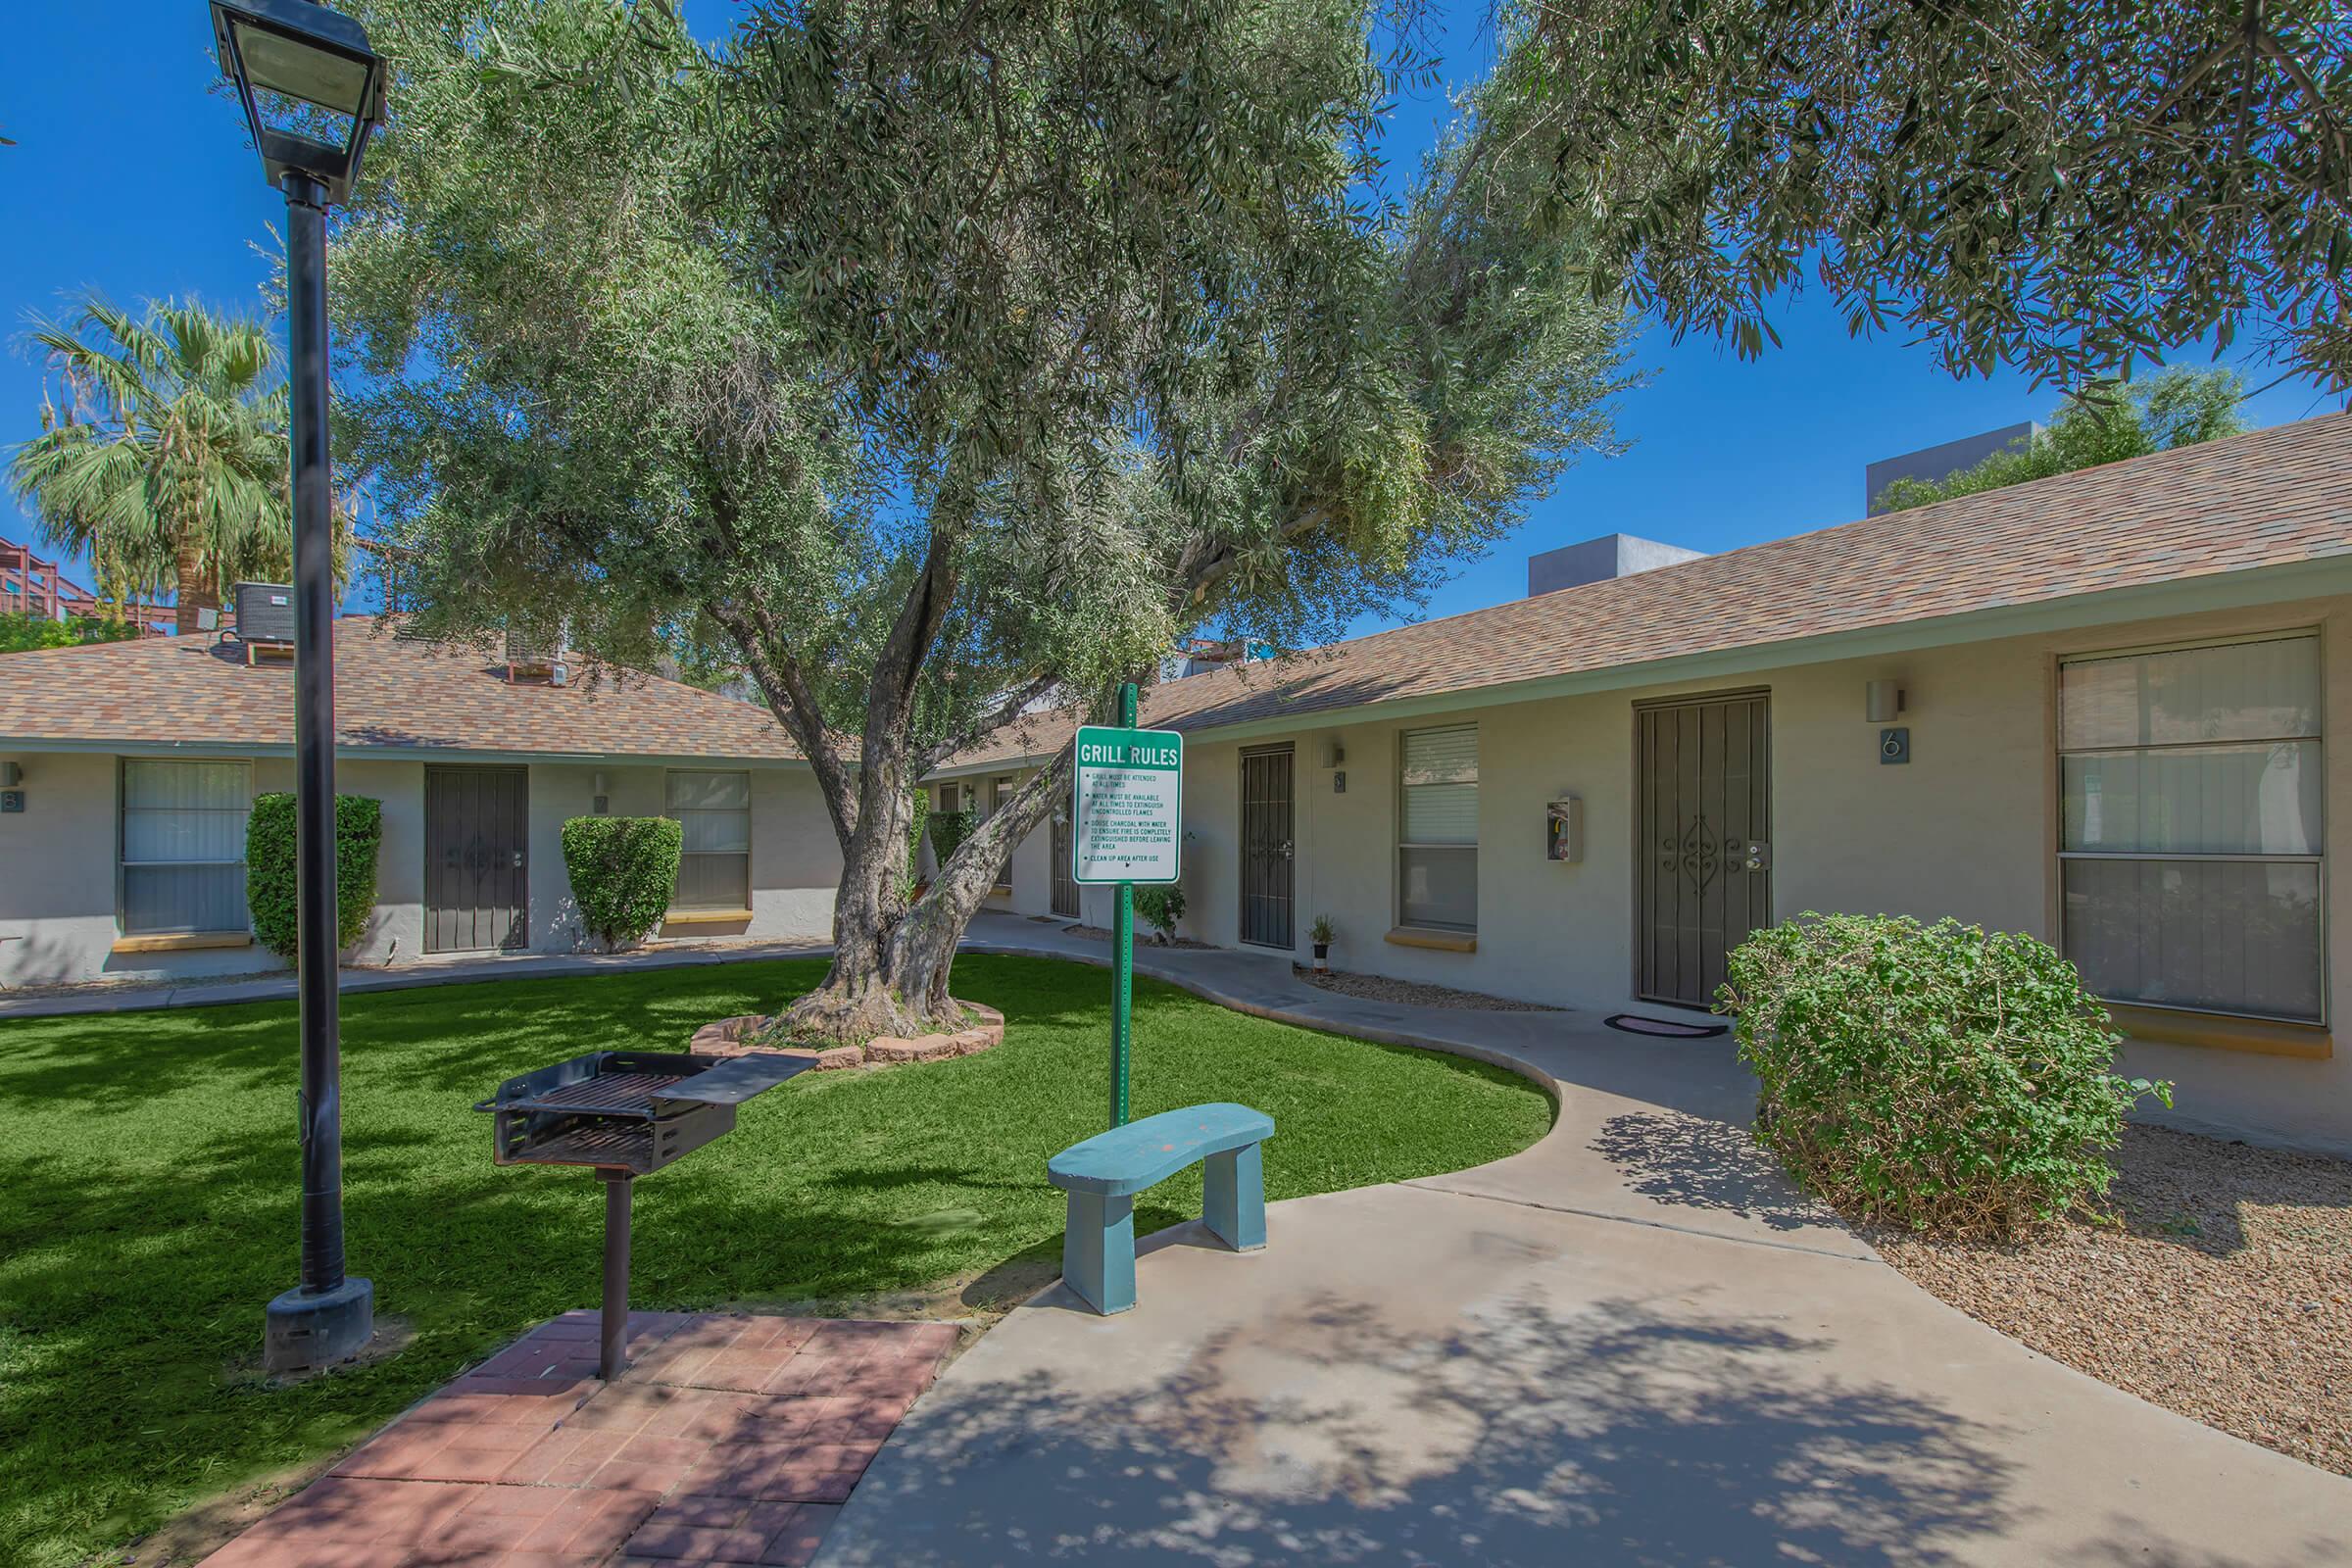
pixel 265 612
pixel 537 658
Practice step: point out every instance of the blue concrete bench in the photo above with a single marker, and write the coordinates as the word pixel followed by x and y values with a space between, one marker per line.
pixel 1103 1174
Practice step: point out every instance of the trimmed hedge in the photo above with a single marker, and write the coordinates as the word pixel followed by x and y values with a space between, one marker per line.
pixel 947 832
pixel 269 859
pixel 624 871
pixel 1932 1077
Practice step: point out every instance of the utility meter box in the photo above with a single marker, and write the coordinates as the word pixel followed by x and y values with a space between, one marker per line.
pixel 1564 830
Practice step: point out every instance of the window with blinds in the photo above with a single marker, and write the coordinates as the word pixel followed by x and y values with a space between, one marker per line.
pixel 184 846
pixel 1437 847
pixel 714 863
pixel 2191 825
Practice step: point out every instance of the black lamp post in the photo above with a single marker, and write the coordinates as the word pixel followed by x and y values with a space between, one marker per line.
pixel 306 73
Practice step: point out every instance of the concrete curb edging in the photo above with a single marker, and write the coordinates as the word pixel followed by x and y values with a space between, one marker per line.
pixel 1404 1038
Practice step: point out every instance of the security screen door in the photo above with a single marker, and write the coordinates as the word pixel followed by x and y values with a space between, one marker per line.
pixel 1702 866
pixel 477 861
pixel 1266 849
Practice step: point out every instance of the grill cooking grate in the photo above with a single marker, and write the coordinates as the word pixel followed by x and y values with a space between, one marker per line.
pixel 605 1095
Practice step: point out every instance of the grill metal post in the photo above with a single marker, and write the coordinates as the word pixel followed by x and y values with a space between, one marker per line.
pixel 613 1356
pixel 625 1114
pixel 328 1317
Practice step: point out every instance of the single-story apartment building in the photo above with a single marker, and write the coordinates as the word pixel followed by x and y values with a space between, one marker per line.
pixel 2109 709
pixel 2105 708
pixel 131 768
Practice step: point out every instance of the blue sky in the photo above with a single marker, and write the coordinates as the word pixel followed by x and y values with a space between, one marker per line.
pixel 130 175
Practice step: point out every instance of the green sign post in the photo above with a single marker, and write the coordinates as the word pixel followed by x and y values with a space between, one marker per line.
pixel 1126 827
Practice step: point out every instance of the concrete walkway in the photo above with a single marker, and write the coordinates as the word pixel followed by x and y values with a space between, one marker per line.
pixel 1632 1343
pixel 455 969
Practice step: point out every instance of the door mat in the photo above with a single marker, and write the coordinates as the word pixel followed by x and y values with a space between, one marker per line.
pixel 1632 1023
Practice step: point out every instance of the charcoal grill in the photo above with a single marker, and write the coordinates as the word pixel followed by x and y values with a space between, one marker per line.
pixel 625 1114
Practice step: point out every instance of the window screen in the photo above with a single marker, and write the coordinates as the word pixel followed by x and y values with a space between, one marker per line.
pixel 715 866
pixel 1436 852
pixel 2191 788
pixel 184 846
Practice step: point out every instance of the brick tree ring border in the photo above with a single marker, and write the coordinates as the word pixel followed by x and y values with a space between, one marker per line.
pixel 732 1037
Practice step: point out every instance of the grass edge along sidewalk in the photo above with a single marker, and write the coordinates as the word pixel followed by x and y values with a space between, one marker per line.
pixel 151 1165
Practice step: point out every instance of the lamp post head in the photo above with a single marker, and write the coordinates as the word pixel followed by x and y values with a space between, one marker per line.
pixel 311 87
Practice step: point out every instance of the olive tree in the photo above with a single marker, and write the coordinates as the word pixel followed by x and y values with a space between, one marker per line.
pixel 937 363
pixel 2066 185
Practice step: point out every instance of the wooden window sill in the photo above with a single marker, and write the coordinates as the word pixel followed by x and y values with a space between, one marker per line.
pixel 705 917
pixel 2220 1032
pixel 1418 936
pixel 183 940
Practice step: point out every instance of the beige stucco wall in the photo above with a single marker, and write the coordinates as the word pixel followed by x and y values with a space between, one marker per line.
pixel 1967 828
pixel 796 864
pixel 57 870
pixel 796 861
pixel 58 864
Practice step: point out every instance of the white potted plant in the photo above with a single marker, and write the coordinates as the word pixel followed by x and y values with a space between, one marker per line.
pixel 1321 934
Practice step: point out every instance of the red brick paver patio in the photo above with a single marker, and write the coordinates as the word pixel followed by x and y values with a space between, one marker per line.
pixel 729 1440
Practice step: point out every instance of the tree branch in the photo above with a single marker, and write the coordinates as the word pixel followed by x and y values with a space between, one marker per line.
pixel 981 858
pixel 785 685
pixel 1003 712
pixel 899 667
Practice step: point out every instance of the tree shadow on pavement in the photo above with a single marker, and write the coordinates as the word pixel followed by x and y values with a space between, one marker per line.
pixel 1708 1165
pixel 1619 1434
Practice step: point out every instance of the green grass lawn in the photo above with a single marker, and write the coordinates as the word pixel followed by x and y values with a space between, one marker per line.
pixel 151 1188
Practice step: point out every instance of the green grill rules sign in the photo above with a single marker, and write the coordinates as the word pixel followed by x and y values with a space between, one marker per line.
pixel 1130 806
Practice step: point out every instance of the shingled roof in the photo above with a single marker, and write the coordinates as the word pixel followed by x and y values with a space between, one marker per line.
pixel 2274 497
pixel 391 692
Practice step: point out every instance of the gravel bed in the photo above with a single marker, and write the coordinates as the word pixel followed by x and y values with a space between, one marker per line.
pixel 1412 993
pixel 2221 1289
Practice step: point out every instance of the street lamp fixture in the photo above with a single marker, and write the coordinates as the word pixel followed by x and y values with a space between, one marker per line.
pixel 311 87
pixel 313 91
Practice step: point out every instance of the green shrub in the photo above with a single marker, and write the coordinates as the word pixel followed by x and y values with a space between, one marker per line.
pixel 269 858
pixel 1161 907
pixel 947 832
pixel 1932 1077
pixel 922 800
pixel 21 631
pixel 624 872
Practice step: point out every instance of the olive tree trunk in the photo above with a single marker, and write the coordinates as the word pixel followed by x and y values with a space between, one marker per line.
pixel 892 954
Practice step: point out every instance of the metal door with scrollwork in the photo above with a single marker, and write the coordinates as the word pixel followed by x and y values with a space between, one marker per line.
pixel 477 858
pixel 1267 858
pixel 1702 867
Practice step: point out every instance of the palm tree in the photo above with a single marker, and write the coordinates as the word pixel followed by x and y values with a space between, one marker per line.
pixel 168 462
